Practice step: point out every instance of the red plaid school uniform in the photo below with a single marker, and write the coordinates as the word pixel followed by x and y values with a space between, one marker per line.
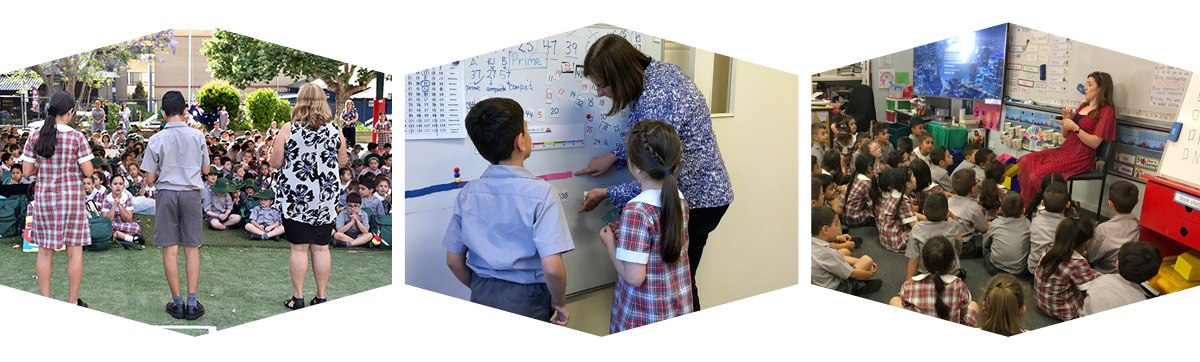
pixel 667 290
pixel 918 199
pixel 858 208
pixel 59 216
pixel 892 215
pixel 918 296
pixel 128 227
pixel 1059 295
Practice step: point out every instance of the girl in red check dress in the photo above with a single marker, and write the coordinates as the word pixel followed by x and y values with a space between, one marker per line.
pixel 118 206
pixel 894 212
pixel 1063 269
pixel 1093 122
pixel 925 185
pixel 648 247
pixel 58 155
pixel 858 205
pixel 938 293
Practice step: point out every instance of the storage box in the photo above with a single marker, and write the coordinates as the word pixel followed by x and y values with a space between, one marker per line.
pixel 1188 266
pixel 1168 280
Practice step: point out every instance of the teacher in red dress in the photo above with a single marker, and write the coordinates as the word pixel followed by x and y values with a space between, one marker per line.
pixel 1085 128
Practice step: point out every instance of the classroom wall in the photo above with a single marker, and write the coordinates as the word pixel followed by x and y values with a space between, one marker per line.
pixel 755 248
pixel 902 61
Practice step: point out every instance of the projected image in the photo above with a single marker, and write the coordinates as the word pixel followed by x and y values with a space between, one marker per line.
pixel 967 66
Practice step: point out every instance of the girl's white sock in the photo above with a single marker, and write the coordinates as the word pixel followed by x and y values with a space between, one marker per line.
pixel 129 238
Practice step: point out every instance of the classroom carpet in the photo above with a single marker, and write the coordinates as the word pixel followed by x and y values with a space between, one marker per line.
pixel 893 265
pixel 241 280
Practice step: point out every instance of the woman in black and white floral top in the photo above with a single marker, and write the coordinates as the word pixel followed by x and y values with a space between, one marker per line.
pixel 307 154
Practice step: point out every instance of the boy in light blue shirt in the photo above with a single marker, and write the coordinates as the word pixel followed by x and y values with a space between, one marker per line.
pixel 508 231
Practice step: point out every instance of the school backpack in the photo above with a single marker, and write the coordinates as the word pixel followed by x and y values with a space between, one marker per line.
pixel 12 215
pixel 102 233
pixel 381 225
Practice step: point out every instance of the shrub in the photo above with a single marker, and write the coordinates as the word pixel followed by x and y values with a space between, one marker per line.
pixel 283 114
pixel 263 106
pixel 217 93
pixel 139 92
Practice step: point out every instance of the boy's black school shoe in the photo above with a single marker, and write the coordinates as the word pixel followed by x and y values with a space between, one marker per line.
pixel 176 311
pixel 79 302
pixel 191 313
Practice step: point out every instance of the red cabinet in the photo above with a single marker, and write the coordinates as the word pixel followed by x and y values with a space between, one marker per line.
pixel 1170 215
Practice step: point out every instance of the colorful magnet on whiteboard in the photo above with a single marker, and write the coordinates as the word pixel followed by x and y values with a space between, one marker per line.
pixel 1042 72
pixel 457 180
pixel 456 175
pixel 1176 129
pixel 456 170
pixel 1079 88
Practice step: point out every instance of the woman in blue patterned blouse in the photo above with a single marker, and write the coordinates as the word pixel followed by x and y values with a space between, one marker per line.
pixel 660 91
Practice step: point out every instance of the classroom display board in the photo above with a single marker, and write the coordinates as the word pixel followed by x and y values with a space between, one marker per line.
pixel 1181 158
pixel 1050 70
pixel 568 124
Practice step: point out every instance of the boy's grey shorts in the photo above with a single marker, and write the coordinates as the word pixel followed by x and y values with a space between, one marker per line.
pixel 178 219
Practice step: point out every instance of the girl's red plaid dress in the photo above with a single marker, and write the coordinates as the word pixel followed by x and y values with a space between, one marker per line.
pixel 894 214
pixel 918 199
pixel 59 216
pixel 1059 295
pixel 667 290
pixel 857 207
pixel 918 295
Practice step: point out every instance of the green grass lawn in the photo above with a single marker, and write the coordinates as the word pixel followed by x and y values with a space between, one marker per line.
pixel 241 280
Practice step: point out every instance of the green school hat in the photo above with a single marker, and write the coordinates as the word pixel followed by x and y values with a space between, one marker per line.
pixel 367 160
pixel 266 195
pixel 223 186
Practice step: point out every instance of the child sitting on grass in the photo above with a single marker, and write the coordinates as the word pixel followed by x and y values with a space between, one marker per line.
pixel 265 221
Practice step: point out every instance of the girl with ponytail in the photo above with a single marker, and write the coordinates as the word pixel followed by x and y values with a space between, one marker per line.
pixel 58 155
pixel 648 246
pixel 938 293
pixel 1064 268
pixel 1003 306
pixel 893 211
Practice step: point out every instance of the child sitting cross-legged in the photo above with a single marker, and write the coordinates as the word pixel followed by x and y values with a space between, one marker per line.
pixel 118 206
pixel 265 221
pixel 352 224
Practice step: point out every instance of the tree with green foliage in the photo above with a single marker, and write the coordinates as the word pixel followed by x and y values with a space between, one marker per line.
pixel 87 67
pixel 217 93
pixel 139 92
pixel 243 60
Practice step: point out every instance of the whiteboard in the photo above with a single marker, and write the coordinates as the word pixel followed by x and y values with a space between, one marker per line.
pixel 1181 159
pixel 1141 88
pixel 567 122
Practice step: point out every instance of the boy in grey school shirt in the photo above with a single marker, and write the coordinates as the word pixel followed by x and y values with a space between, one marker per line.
pixel 939 159
pixel 1122 229
pixel 970 153
pixel 820 138
pixel 1138 263
pixel 173 163
pixel 352 224
pixel 1044 225
pixel 1006 244
pixel 969 213
pixel 936 211
pixel 834 270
